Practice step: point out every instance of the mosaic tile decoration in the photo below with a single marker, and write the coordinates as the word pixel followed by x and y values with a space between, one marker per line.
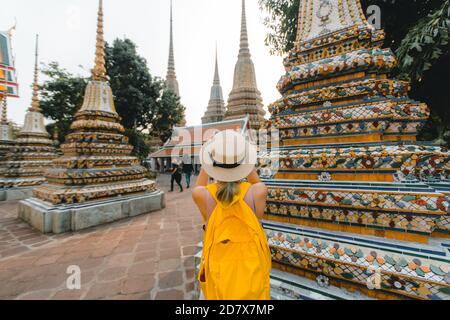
pixel 367 111
pixel 401 273
pixel 376 59
pixel 413 161
pixel 348 155
pixel 425 224
pixel 369 87
pixel 428 203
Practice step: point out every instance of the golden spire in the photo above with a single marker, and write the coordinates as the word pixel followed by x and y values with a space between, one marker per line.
pixel 99 71
pixel 35 107
pixel 244 49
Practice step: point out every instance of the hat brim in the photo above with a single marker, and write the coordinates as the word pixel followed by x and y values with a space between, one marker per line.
pixel 229 175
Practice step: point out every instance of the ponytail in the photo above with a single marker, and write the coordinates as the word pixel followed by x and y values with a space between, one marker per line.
pixel 226 191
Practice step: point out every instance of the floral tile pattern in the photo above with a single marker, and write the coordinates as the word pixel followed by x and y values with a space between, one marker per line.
pixel 365 59
pixel 401 274
pixel 353 217
pixel 412 161
pixel 431 203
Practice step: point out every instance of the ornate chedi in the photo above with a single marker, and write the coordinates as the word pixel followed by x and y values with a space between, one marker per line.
pixel 32 151
pixel 216 106
pixel 171 77
pixel 245 98
pixel 96 180
pixel 5 134
pixel 8 88
pixel 353 197
pixel 6 141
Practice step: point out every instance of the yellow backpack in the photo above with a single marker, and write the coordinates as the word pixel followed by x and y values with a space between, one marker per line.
pixel 236 259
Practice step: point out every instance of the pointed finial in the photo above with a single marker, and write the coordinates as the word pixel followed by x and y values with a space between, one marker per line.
pixel 244 35
pixel 35 107
pixel 99 71
pixel 13 28
pixel 171 53
pixel 171 77
pixel 216 71
pixel 4 119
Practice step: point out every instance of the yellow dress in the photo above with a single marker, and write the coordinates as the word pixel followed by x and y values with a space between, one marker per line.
pixel 236 259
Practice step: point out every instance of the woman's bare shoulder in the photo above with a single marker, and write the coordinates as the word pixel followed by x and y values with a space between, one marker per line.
pixel 259 189
pixel 198 192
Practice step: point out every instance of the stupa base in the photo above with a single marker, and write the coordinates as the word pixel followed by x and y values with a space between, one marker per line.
pixel 49 218
pixel 16 194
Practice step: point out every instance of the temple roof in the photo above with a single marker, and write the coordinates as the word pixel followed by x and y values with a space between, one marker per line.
pixel 321 17
pixel 189 140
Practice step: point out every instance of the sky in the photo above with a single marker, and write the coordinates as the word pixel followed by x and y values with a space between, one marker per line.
pixel 67 28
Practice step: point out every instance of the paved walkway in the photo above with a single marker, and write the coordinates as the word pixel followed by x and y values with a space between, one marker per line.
pixel 145 257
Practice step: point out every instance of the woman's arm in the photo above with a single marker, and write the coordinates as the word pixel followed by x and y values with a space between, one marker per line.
pixel 202 180
pixel 199 194
pixel 199 197
pixel 260 197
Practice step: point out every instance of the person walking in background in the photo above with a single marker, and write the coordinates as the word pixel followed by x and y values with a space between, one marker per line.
pixel 176 177
pixel 188 169
pixel 236 260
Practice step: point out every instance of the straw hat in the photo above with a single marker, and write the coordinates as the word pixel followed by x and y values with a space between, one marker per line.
pixel 228 156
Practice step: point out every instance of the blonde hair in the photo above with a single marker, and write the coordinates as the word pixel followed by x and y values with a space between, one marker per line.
pixel 226 191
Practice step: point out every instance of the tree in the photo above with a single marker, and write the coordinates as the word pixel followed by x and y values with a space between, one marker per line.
pixel 61 97
pixel 169 113
pixel 281 20
pixel 135 91
pixel 145 104
pixel 417 30
pixel 424 57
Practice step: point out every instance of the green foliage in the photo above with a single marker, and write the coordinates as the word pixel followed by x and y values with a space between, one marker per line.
pixel 61 96
pixel 137 139
pixel 425 43
pixel 135 91
pixel 147 107
pixel 168 113
pixel 281 20
pixel 143 101
pixel 424 57
pixel 399 16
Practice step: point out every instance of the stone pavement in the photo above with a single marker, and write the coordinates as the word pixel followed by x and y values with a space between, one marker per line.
pixel 145 257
